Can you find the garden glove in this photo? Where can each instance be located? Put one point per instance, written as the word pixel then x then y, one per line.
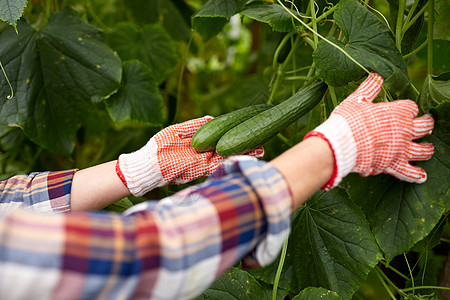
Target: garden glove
pixel 168 158
pixel 372 138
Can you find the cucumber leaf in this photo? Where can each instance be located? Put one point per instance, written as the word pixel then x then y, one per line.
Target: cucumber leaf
pixel 138 97
pixel 150 44
pixel 369 41
pixel 401 213
pixel 119 206
pixel 273 14
pixel 57 73
pixel 212 17
pixel 234 284
pixel 314 293
pixel 330 246
pixel 442 23
pixel 12 10
pixel 165 12
pixel 436 90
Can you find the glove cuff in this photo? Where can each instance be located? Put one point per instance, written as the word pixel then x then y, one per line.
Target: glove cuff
pixel 140 169
pixel 337 133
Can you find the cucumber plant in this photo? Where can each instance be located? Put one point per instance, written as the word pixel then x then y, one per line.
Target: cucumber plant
pixel 184 59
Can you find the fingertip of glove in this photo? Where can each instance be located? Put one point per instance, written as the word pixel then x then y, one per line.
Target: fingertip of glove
pixel 257 152
pixel 376 77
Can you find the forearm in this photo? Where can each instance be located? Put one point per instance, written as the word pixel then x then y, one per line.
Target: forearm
pixel 306 167
pixel 96 187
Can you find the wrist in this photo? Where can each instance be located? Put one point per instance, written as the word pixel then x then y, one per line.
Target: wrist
pixel 139 170
pixel 306 167
pixel 338 135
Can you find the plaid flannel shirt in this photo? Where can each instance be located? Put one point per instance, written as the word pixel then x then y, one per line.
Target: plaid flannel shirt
pixel 168 249
pixel 46 192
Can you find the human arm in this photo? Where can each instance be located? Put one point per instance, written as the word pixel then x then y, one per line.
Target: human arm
pixel 167 158
pixel 174 247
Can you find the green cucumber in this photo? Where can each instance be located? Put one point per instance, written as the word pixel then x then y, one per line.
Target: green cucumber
pixel 205 139
pixel 265 125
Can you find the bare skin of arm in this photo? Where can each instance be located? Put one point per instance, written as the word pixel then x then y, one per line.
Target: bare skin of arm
pixel 306 168
pixel 96 187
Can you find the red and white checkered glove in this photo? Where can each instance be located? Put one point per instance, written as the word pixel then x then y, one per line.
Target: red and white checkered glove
pixel 372 138
pixel 168 158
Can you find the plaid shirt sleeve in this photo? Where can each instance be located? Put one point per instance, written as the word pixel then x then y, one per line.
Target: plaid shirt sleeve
pixel 45 192
pixel 170 249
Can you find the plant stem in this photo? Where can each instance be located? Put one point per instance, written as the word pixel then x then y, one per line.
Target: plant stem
pixel 409 23
pixel 324 15
pixel 426 287
pixel 298 77
pixel 9 83
pixel 416 50
pixel 312 7
pixel 274 87
pixel 395 270
pixel 445 240
pixel 280 69
pixel 95 17
pixel 279 269
pixel 399 25
pixel 180 78
pixel 411 11
pixel 333 96
pixel 48 8
pixel 284 139
pixel 410 272
pixel 294 65
pixel 430 37
pixel 280 47
pixel 383 282
pixel 297 70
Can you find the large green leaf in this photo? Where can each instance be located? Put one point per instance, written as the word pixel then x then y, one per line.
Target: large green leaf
pixel 436 90
pixel 211 17
pixel 442 24
pixel 119 206
pixel 11 10
pixel 150 44
pixel 369 41
pixel 313 293
pixel 56 72
pixel 400 213
pixel 234 284
pixel 138 97
pixel 273 14
pixel 165 12
pixel 330 246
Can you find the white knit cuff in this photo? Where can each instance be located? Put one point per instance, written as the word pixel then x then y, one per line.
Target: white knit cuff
pixel 339 135
pixel 141 169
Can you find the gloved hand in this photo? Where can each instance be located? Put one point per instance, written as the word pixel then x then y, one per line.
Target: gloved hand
pixel 373 138
pixel 168 158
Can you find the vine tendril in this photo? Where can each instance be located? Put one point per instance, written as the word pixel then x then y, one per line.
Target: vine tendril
pixel 9 97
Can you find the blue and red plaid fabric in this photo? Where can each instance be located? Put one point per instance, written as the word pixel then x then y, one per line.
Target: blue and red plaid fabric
pixel 168 249
pixel 46 192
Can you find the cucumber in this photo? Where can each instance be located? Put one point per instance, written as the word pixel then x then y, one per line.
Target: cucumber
pixel 205 139
pixel 265 125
